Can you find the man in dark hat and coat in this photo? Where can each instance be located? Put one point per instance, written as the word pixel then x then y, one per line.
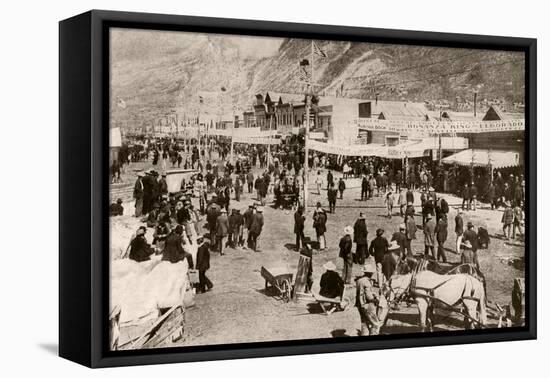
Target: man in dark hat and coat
pixel 360 234
pixel 140 250
pixel 173 247
pixel 203 264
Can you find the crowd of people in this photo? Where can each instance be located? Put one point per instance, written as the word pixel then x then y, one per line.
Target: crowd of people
pixel 174 220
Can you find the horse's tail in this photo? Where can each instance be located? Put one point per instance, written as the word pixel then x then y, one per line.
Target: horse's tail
pixel 482 307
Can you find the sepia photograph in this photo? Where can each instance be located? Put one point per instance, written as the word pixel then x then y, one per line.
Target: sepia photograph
pixel 275 189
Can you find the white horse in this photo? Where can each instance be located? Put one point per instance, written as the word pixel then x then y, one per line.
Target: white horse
pixel 430 289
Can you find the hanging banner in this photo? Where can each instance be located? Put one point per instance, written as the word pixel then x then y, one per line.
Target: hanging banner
pixel 353 150
pixel 254 140
pixel 438 127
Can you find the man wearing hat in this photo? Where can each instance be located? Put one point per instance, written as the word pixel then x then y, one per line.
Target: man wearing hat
pixel 441 237
pixel 459 229
pixel 429 235
pixel 222 230
pixel 116 209
pixel 213 210
pixel 140 250
pixel 163 185
pixel 507 219
pixel 378 248
pixel 320 225
pixel 346 255
pixel 372 306
pixel 360 234
pixel 247 217
pixel 400 238
pixel 138 195
pixel 332 194
pixel 364 188
pixel 147 182
pixel 471 236
pixel 236 222
pixel 469 256
pixel 331 285
pixel 152 217
pixel 256 228
pixel 203 264
pixel 391 258
pixel 299 224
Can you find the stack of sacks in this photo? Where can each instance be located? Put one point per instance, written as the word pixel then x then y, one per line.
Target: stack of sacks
pixel 140 289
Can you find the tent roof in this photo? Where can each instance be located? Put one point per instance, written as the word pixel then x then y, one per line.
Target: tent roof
pixel 483 158
pixel 115 139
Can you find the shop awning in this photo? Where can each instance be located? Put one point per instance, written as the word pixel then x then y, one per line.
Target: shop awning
pixel 420 148
pixel 484 158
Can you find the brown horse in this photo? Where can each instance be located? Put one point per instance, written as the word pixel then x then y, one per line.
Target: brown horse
pixel 430 289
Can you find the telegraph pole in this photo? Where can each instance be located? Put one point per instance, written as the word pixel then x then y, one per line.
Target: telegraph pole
pixel 306 149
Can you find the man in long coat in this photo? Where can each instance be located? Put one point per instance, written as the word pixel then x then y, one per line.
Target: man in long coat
pixel 256 228
pixel 372 306
pixel 410 233
pixel 299 224
pixel 173 247
pixel 320 225
pixel 429 236
pixel 346 255
pixel 138 194
pixel 222 230
pixel 360 233
pixel 400 238
pixel 203 264
pixel 441 236
pixel 140 250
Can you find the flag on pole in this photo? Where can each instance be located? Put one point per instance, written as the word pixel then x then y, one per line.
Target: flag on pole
pixel 120 103
pixel 303 72
pixel 317 50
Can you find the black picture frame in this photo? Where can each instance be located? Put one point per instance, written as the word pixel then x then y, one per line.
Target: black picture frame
pixel 83 197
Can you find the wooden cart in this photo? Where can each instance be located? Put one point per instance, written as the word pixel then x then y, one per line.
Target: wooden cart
pixel 280 279
pixel 167 329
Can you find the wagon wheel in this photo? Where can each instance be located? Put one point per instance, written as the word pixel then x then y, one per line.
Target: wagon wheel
pixel 286 290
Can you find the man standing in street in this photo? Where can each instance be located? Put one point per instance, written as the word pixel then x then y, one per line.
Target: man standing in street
pixel 459 229
pixel 441 236
pixel 341 187
pixel 250 181
pixel 372 306
pixel 299 224
pixel 138 194
pixel 470 236
pixel 429 236
pixel 400 238
pixel 320 226
pixel 330 179
pixel 222 230
pixel 360 233
pixel 332 194
pixel 203 264
pixel 248 223
pixel 256 228
pixel 364 188
pixel 346 255
pixel 507 219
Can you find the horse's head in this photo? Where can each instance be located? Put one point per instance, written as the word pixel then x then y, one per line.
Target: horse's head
pixel 398 284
